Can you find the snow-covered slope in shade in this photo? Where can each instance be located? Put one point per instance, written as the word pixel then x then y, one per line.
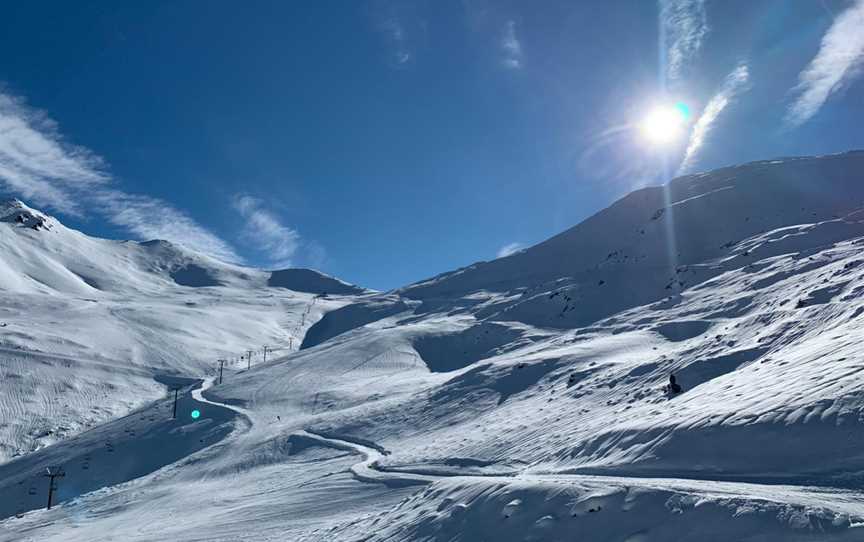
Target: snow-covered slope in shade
pixel 312 282
pixel 520 399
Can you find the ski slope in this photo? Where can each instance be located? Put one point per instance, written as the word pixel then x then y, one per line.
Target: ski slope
pixel 86 324
pixel 517 399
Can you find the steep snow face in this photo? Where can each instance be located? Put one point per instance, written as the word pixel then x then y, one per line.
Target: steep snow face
pixel 659 241
pixel 649 246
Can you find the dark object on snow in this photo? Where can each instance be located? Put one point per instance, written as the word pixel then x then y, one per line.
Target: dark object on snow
pixel 673 387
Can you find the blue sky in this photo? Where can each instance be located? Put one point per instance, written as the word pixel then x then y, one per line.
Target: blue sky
pixel 387 141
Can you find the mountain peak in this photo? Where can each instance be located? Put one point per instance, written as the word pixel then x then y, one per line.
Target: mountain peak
pixel 11 203
pixel 15 211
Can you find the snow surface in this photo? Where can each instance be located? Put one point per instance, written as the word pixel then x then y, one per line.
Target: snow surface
pixel 517 399
pixel 86 324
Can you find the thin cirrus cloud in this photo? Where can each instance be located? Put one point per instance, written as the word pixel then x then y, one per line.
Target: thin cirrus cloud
pixel 151 218
pixel 39 165
pixel 497 29
pixel 402 27
pixel 511 47
pixel 839 61
pixel 36 164
pixel 736 83
pixel 278 241
pixel 509 249
pixel 395 31
pixel 684 26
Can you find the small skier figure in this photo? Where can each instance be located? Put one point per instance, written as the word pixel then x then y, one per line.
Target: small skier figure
pixel 673 388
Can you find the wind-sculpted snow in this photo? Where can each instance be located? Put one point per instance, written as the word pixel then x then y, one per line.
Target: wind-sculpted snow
pixel 604 510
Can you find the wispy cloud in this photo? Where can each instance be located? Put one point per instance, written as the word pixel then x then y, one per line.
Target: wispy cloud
pixel 511 48
pixel 395 31
pixel 509 248
pixel 262 227
pixel 39 165
pixel 838 62
pixel 736 82
pixel 152 218
pixel 314 254
pixel 684 26
pixel 402 27
pixel 35 161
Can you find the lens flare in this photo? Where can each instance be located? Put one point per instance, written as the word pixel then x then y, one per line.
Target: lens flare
pixel 664 124
pixel 196 414
pixel 683 110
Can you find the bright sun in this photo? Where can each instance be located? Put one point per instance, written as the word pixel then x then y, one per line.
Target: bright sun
pixel 664 124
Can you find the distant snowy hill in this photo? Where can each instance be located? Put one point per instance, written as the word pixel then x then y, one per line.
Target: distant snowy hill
pixel 512 400
pixel 86 323
pixel 41 255
pixel 312 282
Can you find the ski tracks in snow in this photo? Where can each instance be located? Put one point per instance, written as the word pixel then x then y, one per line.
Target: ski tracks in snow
pixel 845 501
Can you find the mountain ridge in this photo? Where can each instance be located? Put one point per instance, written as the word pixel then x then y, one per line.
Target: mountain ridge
pixel 162 259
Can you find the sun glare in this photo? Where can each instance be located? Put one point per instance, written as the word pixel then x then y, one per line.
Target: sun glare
pixel 664 124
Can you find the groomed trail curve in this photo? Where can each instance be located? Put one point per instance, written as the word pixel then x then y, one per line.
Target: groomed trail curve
pixel 574 498
pixel 207 383
pixel 125 449
pixel 841 500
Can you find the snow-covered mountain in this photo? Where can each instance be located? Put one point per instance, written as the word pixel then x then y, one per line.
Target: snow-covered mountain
pixel 658 241
pixel 86 323
pixel 517 399
pixel 41 255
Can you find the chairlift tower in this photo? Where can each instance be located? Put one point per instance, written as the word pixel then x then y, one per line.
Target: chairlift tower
pixel 221 364
pixel 176 390
pixel 53 473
